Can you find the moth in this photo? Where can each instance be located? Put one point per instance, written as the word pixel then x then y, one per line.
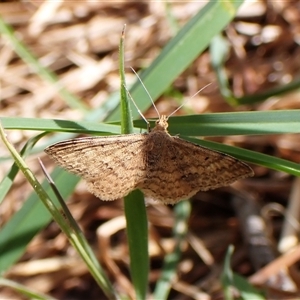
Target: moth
pixel 164 167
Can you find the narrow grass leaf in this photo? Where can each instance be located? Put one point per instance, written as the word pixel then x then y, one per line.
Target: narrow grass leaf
pixel 183 49
pixel 52 207
pixel 134 205
pixel 219 49
pixel 8 179
pixel 43 72
pixel 227 275
pixel 169 270
pixel 247 291
pixel 23 290
pixel 261 159
pixel 217 124
pixel 137 237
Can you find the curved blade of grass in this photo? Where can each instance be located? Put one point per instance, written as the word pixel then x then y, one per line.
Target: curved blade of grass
pixel 227 276
pixel 230 279
pixel 252 156
pixel 7 180
pixel 219 49
pixel 216 124
pixel 247 291
pixel 181 51
pixel 75 234
pixel 73 237
pixel 134 205
pixel 52 125
pixel 43 72
pixel 276 91
pixel 182 212
pixel 25 291
pixel 29 220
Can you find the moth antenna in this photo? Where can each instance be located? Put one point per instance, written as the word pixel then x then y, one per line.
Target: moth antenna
pixel 140 80
pixel 138 110
pixel 184 102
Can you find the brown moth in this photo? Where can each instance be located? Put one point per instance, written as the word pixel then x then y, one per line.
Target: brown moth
pixel 163 167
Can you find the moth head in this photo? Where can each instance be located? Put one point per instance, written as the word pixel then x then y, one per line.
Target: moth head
pixel 161 124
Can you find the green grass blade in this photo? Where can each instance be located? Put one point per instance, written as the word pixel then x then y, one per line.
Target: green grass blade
pixel 137 236
pixel 190 41
pixel 227 276
pixel 217 124
pixel 43 72
pixel 7 180
pixel 79 242
pixel 59 125
pixel 222 124
pixel 234 123
pixel 182 212
pixel 219 49
pixel 229 280
pixel 126 120
pixel 16 233
pixel 23 290
pixel 252 156
pixel 134 205
pixel 276 91
pixel 247 291
pixel 72 234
